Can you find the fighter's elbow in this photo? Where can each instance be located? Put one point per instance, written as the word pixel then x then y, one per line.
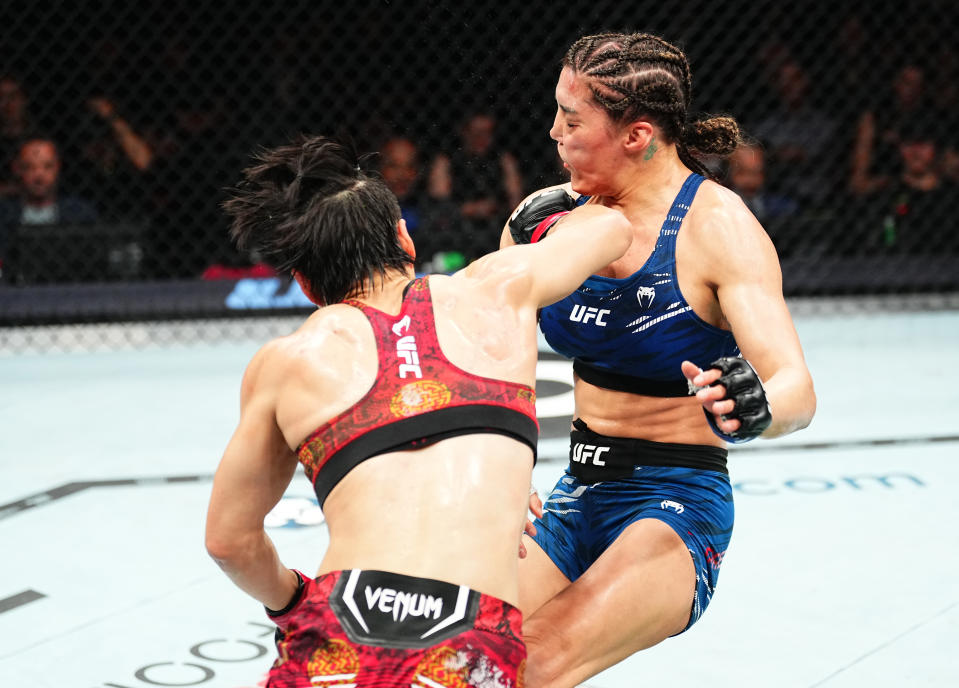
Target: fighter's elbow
pixel 802 413
pixel 221 549
pixel 810 408
pixel 228 546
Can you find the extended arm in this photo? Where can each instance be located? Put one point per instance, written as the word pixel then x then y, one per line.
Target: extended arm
pixel 569 246
pixel 254 472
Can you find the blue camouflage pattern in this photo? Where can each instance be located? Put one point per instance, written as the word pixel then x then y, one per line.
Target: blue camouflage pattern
pixel 580 521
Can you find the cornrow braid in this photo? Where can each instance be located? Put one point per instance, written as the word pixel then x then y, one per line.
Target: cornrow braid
pixel 641 75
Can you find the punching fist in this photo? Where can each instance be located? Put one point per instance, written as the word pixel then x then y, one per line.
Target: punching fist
pixel 533 218
pixel 736 394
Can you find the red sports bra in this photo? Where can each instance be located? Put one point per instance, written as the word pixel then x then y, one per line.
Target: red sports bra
pixel 417 399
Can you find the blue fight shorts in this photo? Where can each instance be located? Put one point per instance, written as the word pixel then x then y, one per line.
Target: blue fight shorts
pixel 582 517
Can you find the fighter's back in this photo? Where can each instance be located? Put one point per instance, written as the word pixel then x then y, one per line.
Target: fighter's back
pixel 458 494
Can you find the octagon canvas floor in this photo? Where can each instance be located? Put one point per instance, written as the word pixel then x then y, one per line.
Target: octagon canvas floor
pixel 841 571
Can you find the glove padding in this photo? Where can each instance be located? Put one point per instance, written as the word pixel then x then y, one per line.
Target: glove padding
pixel 744 387
pixel 530 222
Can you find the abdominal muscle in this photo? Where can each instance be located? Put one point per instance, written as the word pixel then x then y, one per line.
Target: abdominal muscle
pixel 452 511
pixel 657 419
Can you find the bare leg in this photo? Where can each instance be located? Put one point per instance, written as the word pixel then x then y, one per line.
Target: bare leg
pixel 638 593
pixel 539 578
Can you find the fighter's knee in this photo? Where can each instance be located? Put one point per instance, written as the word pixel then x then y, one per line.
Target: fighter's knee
pixel 548 655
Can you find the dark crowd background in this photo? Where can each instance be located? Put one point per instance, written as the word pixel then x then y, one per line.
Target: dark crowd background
pixel 122 124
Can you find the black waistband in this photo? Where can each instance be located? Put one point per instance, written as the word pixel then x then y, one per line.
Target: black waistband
pixel 619 382
pixel 394 610
pixel 421 431
pixel 594 458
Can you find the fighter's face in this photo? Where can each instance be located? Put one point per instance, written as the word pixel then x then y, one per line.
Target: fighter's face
pixel 586 138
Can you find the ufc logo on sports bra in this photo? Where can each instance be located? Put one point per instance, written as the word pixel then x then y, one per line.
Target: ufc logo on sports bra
pixel 584 314
pixel 582 453
pixel 406 349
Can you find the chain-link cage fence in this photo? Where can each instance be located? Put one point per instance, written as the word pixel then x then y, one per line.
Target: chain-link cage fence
pixel 122 123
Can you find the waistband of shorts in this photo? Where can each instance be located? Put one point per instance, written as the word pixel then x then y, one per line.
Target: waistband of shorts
pixel 492 614
pixel 594 457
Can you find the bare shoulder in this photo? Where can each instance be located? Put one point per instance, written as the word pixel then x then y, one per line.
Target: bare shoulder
pixel 328 330
pixel 327 333
pixel 719 214
pixel 485 273
pixel 498 277
pixel 721 229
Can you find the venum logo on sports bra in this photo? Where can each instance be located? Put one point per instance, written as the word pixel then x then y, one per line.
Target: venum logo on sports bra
pixel 390 609
pixel 406 349
pixel 645 296
pixel 584 314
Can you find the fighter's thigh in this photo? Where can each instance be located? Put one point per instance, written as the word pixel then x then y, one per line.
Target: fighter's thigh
pixel 539 578
pixel 638 593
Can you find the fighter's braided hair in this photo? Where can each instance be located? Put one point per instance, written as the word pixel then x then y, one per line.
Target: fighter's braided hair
pixel 641 75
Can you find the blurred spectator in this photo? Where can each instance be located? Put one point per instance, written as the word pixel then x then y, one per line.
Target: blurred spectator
pixel 798 136
pixel 400 167
pixel 848 65
pixel 15 128
pixel 194 158
pixel 744 172
pixel 113 158
pixel 431 223
pixel 950 160
pixel 914 213
pixel 746 175
pixel 876 158
pixel 38 200
pixel 483 181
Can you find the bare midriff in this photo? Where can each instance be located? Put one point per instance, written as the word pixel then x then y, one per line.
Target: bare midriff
pixel 657 419
pixel 453 511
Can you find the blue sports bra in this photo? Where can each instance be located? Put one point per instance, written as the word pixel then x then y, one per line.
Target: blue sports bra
pixel 632 334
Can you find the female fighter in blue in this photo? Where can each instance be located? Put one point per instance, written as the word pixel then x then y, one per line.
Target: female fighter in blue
pixel 681 345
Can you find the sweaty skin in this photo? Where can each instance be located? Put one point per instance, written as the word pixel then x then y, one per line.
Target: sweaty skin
pixel 445 503
pixel 639 591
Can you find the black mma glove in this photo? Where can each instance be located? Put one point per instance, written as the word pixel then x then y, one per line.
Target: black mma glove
pixel 530 222
pixel 745 388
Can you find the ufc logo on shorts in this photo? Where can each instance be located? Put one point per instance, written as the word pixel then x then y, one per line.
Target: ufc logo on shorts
pixel 406 350
pixel 582 453
pixel 584 314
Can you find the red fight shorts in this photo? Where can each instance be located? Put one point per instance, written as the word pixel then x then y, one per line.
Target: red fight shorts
pixel 360 628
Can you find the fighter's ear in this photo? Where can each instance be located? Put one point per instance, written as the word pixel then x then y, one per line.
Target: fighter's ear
pixel 406 241
pixel 638 135
pixel 306 288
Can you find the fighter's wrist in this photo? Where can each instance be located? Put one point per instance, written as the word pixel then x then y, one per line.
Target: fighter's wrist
pixel 297 595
